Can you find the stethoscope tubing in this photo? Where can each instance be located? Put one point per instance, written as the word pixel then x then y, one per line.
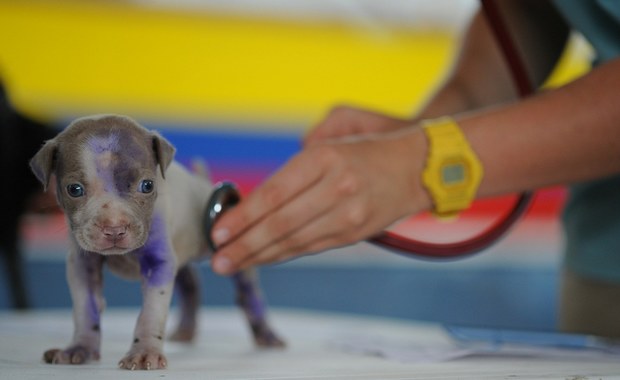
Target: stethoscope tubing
pixel 407 246
pixel 226 195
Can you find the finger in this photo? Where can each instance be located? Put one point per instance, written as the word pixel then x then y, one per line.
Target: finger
pixel 332 230
pixel 302 172
pixel 321 245
pixel 347 220
pixel 297 175
pixel 313 203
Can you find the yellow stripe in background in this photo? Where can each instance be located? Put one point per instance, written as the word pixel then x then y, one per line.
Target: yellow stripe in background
pixel 67 58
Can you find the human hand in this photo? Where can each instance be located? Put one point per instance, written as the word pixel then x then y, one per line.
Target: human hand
pixel 328 195
pixel 345 121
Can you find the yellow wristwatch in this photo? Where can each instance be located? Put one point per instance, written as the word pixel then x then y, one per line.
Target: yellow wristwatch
pixel 453 171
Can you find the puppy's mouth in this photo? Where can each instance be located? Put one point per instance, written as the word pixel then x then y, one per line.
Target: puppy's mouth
pixel 115 249
pixel 103 244
pixel 107 248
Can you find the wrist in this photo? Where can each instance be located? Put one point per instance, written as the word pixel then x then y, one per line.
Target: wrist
pixel 413 151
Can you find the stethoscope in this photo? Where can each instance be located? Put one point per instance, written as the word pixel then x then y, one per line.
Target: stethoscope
pixel 226 194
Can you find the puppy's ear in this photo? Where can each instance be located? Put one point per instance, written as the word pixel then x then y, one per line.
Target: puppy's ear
pixel 44 162
pixel 164 152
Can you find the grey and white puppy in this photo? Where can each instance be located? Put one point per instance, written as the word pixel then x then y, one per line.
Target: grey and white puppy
pixel 129 205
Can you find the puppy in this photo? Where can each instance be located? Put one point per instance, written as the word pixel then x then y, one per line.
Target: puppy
pixel 130 206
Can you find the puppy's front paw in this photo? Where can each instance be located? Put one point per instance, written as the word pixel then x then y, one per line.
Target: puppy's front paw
pixel 72 355
pixel 143 358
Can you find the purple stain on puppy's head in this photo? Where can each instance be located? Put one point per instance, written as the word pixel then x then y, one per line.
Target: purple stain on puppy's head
pixel 103 147
pixel 117 160
pixel 104 144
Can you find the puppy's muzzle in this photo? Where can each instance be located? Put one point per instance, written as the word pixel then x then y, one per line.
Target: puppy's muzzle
pixel 114 234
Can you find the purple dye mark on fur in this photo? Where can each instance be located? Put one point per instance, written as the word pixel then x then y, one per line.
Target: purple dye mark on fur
pixel 93 310
pixel 248 297
pixel 156 262
pixel 118 160
pixel 91 264
pixel 103 144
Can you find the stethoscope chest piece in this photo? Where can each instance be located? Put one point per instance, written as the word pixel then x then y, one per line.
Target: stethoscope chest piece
pixel 225 195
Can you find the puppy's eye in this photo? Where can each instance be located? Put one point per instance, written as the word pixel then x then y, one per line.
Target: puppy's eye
pixel 146 186
pixel 75 190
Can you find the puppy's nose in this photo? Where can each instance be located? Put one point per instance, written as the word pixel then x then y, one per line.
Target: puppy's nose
pixel 114 233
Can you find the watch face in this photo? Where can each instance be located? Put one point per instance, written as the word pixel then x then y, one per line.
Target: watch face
pixel 453 174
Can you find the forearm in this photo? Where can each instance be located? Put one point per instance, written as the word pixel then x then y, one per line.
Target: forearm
pixel 562 136
pixel 478 77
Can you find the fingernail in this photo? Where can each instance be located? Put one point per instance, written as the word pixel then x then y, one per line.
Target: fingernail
pixel 221 265
pixel 220 236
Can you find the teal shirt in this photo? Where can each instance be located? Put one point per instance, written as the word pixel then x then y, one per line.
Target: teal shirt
pixel 592 214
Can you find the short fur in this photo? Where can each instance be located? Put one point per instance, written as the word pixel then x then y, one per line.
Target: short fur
pixel 129 205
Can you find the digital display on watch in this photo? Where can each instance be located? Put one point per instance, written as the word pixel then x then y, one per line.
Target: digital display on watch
pixel 452 174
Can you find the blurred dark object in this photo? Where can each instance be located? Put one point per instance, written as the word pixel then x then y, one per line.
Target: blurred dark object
pixel 20 138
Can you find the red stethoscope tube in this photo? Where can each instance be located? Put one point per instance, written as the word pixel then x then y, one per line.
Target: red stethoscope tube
pixel 412 247
pixel 226 195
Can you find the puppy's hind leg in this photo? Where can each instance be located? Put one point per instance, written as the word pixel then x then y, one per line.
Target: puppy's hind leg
pixel 250 299
pixel 187 285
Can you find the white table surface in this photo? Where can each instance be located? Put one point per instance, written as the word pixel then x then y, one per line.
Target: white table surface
pixel 316 350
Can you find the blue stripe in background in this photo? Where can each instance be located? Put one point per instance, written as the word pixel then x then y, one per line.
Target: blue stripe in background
pixel 232 146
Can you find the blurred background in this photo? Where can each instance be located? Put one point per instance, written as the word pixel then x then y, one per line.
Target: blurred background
pixel 237 83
